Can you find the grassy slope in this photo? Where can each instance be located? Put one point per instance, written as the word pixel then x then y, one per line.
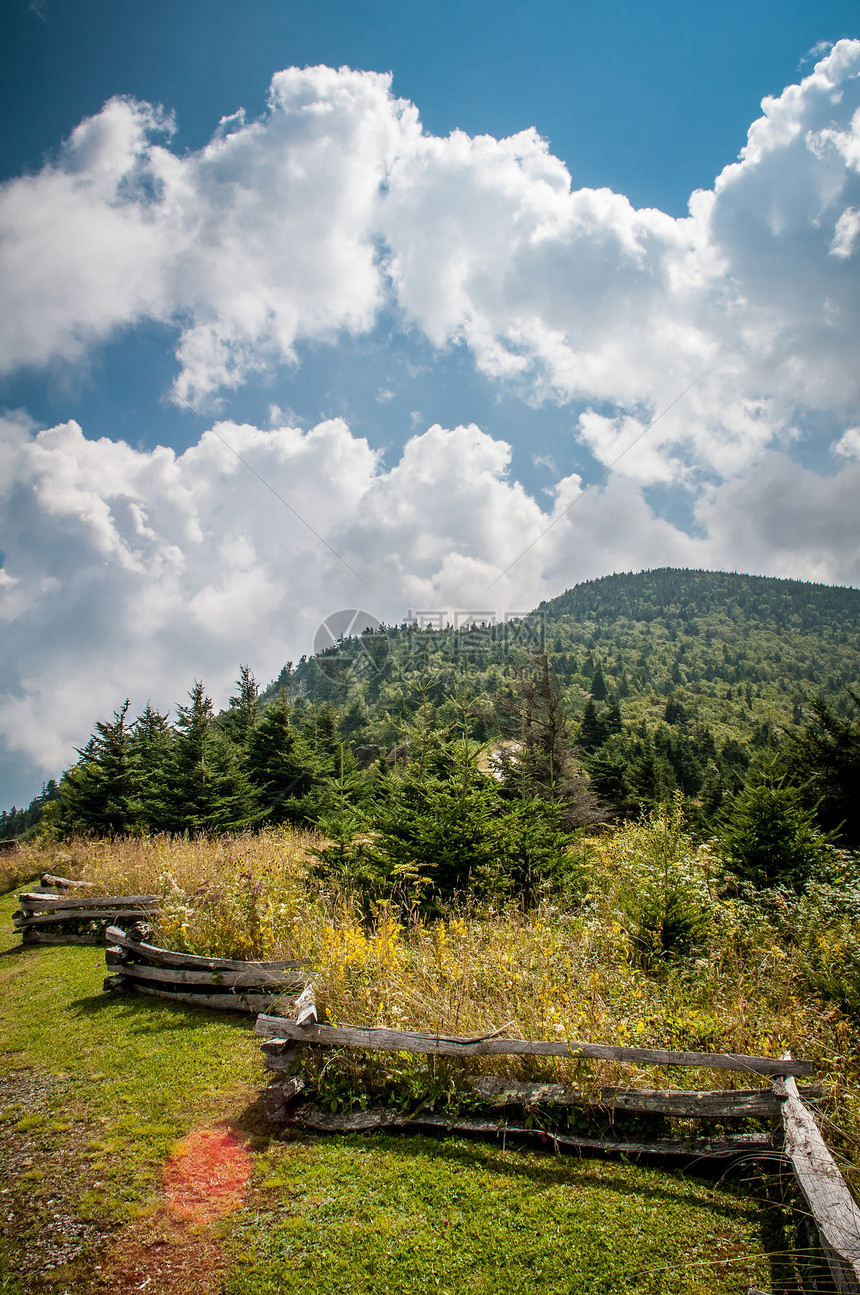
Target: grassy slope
pixel 117 1082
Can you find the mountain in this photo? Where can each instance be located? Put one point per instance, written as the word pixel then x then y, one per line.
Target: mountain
pixel 654 683
pixel 741 654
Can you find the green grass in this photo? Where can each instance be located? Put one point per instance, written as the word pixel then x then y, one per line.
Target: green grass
pixel 117 1081
pixel 129 1076
pixel 400 1214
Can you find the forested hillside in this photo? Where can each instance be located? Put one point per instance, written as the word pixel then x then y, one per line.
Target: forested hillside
pixel 737 651
pixel 605 702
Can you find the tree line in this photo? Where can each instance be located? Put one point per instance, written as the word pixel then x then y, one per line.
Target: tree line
pixel 446 810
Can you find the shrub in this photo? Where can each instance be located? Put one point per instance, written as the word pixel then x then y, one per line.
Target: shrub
pixel 663 894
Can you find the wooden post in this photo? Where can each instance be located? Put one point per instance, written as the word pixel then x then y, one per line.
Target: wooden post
pixel 284 1057
pixel 825 1191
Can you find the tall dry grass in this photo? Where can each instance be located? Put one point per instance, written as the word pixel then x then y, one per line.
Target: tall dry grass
pixel 545 973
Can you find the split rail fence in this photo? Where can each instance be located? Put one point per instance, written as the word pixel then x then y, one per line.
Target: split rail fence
pixel 49 917
pixel 835 1214
pixel 227 984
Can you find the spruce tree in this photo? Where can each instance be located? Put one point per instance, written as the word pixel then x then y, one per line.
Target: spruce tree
pixel 592 733
pixel 96 793
pixel 206 787
pixel 150 752
pixel 281 766
pixel 767 838
pixel 599 690
pixel 543 765
pixel 439 827
pixel 243 710
pixel 823 761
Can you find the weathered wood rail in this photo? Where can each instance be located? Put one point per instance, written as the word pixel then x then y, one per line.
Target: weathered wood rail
pixel 385 1040
pixel 227 984
pixel 46 917
pixel 823 1188
pixel 681 1103
pixel 65 883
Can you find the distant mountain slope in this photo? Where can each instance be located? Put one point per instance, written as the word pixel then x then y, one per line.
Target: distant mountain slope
pixel 742 649
pixel 737 651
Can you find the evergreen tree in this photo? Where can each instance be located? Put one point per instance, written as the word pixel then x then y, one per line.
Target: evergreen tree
pixel 243 710
pixel 823 760
pixel 676 711
pixel 150 753
pixel 649 776
pixel 599 690
pixel 542 766
pixel 767 837
pixel 281 765
pixel 607 769
pixel 354 720
pixel 96 793
pixel 592 733
pixel 442 827
pixel 207 789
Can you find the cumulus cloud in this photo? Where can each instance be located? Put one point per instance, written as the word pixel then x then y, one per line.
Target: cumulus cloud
pixel 130 571
pixel 784 520
pixel 336 204
pixel 133 572
pixel 265 235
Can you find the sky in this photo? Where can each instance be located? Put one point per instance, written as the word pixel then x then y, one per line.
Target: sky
pixel 410 308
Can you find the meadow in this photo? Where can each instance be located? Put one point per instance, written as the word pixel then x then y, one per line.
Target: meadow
pixel 753 977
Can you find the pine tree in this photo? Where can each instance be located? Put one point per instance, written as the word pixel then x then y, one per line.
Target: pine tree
pixel 823 760
pixel 244 709
pixel 599 690
pixel 441 830
pixel 767 837
pixel 354 720
pixel 206 788
pixel 150 752
pixel 543 766
pixel 96 793
pixel 281 766
pixel 592 733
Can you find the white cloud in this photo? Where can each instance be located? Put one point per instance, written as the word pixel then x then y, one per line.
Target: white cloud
pixel 847 229
pixel 134 571
pixel 265 235
pixel 783 520
pixel 848 445
pixel 334 204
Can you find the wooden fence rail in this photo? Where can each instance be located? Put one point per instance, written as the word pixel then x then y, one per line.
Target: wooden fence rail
pixel 384 1040
pixel 822 1186
pixel 48 918
pixel 65 883
pixel 228 984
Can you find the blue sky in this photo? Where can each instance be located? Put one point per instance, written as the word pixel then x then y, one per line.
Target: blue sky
pixel 427 343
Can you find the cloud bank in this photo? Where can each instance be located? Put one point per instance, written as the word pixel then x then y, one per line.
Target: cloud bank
pixel 335 204
pixel 133 571
pixel 137 571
